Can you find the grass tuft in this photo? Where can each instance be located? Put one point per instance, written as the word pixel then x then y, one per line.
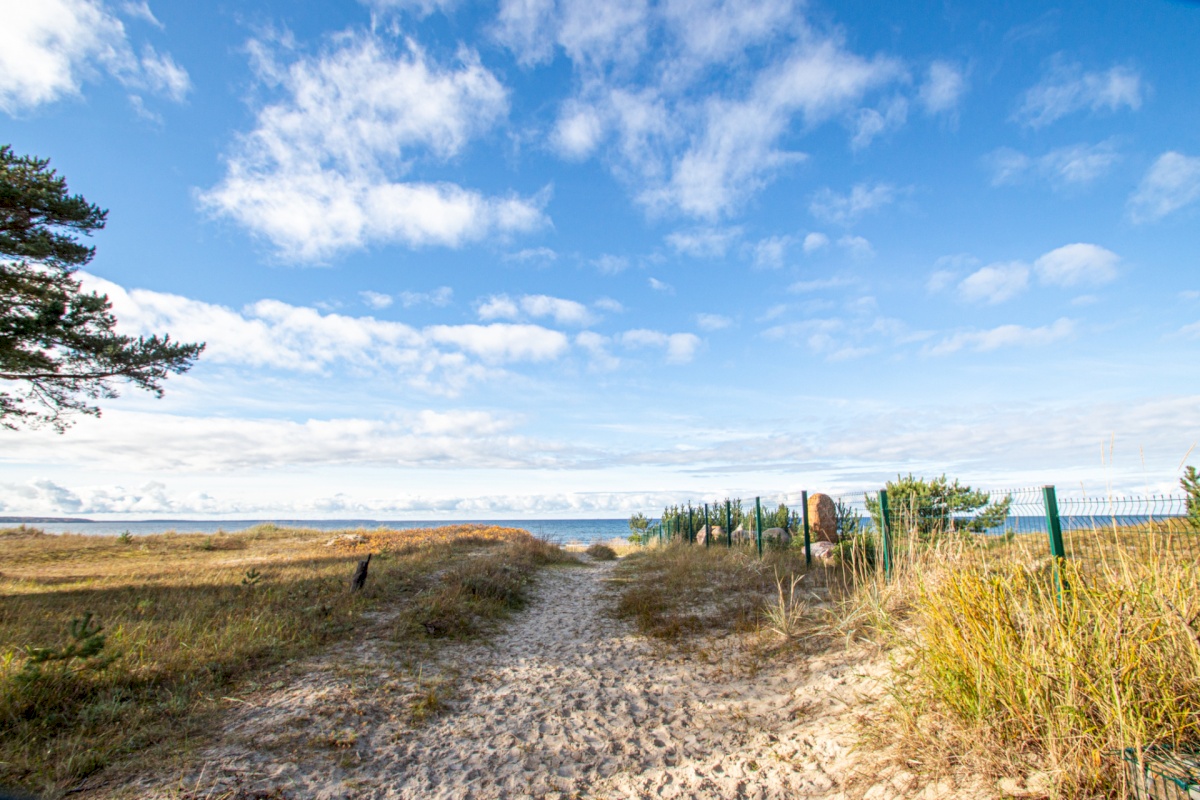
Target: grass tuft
pixel 1001 674
pixel 601 552
pixel 678 590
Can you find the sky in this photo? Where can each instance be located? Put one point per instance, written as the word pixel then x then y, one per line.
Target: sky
pixel 549 259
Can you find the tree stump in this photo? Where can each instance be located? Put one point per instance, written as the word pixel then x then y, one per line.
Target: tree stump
pixel 360 574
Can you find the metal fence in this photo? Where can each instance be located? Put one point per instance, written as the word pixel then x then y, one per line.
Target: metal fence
pixel 1030 524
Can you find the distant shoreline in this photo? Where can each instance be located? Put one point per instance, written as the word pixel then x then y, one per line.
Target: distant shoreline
pixel 288 520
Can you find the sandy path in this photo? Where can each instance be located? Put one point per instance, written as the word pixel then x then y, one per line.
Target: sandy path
pixel 565 703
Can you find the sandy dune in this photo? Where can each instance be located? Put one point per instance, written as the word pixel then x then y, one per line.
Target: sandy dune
pixel 565 703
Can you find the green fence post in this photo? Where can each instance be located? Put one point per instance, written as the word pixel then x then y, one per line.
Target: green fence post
pixel 807 536
pixel 758 523
pixel 707 527
pixel 728 524
pixel 1054 529
pixel 691 526
pixel 885 532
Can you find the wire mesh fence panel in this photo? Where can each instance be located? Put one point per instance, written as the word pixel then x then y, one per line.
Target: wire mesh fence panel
pixel 1102 532
pixel 1159 773
pixel 1011 527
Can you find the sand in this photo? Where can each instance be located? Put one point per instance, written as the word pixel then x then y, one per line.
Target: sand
pixel 565 702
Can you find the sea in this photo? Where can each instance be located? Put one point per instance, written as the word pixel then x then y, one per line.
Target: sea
pixel 559 531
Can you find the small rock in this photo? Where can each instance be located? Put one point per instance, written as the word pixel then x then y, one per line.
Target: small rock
pixel 822 550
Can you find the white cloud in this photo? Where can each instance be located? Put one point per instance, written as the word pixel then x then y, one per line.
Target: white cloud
pixel 1008 166
pixel 846 209
pixel 682 142
pixel 610 305
pixel 499 306
pixel 564 312
pixel 317 175
pixel 814 242
pixel 1075 264
pixel 856 246
pixel 1067 266
pixel 161 75
pixel 680 347
pixel 597 347
pixel 270 334
pixel 376 300
pixel 1067 89
pixel 535 256
pixel 661 286
pixel 1171 183
pixel 447 439
pixel 596 34
pixel 577 132
pixel 1004 336
pixel 50 47
pixel 834 339
pixel 713 322
pixel 422 8
pixel 770 252
pixel 610 264
pixel 944 86
pixel 736 153
pixel 870 123
pixel 1066 166
pixel 439 297
pixel 527 28
pixel 939 279
pixel 995 283
pixel 140 10
pixel 703 242
pixel 708 31
pixel 501 342
pixel 817 284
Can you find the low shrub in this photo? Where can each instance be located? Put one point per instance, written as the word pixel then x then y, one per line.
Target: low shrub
pixel 601 552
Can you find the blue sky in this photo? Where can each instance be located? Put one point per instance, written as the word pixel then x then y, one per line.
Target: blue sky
pixel 531 258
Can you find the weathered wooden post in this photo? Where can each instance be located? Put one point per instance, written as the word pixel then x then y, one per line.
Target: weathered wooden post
pixel 360 574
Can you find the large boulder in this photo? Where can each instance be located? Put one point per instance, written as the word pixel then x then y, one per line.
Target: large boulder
pixel 717 534
pixel 777 537
pixel 740 534
pixel 822 518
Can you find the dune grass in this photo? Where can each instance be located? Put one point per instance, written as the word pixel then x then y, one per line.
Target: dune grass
pixel 601 552
pixel 998 672
pixel 677 590
pixel 185 619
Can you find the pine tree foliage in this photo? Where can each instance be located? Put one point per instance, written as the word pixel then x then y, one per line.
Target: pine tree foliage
pixel 1191 484
pixel 59 349
pixel 932 507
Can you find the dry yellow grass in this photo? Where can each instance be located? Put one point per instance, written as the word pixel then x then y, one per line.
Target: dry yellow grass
pixel 188 617
pixel 682 589
pixel 1000 674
